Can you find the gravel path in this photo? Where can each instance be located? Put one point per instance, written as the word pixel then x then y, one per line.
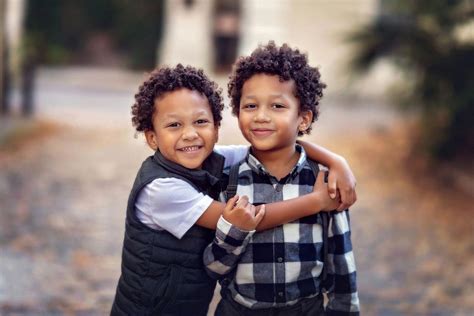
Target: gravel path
pixel 62 200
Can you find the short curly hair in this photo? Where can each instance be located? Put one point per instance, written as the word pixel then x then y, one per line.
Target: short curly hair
pixel 288 64
pixel 167 79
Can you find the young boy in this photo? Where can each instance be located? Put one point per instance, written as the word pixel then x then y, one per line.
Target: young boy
pixel 281 271
pixel 172 208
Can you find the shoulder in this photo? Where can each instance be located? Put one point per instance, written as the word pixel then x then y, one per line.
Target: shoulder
pixel 150 170
pixel 168 192
pixel 169 186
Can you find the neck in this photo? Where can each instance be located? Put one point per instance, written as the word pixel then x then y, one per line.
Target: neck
pixel 278 162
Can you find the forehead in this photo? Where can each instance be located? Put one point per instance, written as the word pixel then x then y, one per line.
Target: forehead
pixel 182 101
pixel 268 84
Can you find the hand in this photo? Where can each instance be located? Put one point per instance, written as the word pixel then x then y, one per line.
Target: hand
pixel 239 212
pixel 321 190
pixel 342 180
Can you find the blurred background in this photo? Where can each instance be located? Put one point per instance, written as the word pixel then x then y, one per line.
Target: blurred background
pixel 399 107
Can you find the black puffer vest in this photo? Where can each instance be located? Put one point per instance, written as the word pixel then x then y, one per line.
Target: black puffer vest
pixel 163 275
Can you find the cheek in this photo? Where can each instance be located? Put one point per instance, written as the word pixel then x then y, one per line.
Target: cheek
pixel 212 135
pixel 289 126
pixel 243 120
pixel 165 141
pixel 215 137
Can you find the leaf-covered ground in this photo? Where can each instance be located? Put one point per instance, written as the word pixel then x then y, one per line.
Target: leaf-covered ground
pixel 63 195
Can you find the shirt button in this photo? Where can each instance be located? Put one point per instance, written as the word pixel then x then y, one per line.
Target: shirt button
pixel 280 259
pixel 280 294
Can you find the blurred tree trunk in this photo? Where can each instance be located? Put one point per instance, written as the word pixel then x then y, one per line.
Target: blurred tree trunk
pixel 4 63
pixel 28 72
pixel 32 48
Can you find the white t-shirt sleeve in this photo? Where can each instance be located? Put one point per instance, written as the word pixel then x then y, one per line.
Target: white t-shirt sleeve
pixel 232 153
pixel 171 204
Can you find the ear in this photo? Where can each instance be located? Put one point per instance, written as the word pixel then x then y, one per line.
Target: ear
pixel 151 139
pixel 306 118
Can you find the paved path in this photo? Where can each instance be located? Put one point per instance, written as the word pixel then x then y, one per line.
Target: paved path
pixel 62 200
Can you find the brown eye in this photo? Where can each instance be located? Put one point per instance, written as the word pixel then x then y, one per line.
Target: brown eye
pixel 202 121
pixel 249 106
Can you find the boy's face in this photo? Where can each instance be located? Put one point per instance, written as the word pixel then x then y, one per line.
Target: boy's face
pixel 269 115
pixel 183 128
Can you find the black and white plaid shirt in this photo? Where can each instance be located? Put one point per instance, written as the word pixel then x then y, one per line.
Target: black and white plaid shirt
pixel 280 266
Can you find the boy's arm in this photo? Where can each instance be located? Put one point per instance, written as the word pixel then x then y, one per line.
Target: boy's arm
pixel 232 153
pixel 340 174
pixel 341 270
pixel 279 213
pixel 222 255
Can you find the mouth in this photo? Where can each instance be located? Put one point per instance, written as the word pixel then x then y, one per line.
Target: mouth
pixel 261 132
pixel 190 149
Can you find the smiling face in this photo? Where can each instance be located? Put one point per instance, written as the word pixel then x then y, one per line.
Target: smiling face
pixel 183 128
pixel 269 115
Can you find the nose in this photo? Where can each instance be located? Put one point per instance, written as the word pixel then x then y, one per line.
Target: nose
pixel 261 115
pixel 190 133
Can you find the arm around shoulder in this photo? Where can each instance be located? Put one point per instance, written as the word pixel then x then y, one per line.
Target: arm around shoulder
pixel 341 178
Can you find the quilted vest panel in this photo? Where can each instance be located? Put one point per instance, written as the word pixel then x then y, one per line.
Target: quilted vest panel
pixel 163 275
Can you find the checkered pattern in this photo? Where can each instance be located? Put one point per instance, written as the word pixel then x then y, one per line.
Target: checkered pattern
pixel 279 266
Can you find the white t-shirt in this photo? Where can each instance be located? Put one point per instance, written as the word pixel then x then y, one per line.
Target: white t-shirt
pixel 173 204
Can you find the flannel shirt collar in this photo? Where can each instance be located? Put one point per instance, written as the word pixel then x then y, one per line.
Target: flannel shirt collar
pixel 257 167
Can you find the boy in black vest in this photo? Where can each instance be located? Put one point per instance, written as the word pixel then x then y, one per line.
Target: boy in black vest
pixel 172 209
pixel 281 271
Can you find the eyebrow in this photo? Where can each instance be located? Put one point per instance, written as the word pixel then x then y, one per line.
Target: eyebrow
pixel 195 114
pixel 249 97
pixel 275 96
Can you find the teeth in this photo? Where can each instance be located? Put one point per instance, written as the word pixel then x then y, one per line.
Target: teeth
pixel 190 148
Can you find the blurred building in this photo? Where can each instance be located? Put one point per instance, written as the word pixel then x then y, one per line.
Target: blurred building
pixel 187 30
pixel 318 27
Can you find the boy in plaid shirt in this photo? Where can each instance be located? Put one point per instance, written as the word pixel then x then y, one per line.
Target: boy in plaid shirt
pixel 284 270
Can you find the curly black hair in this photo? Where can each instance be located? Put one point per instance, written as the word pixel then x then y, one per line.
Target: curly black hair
pixel 288 64
pixel 167 79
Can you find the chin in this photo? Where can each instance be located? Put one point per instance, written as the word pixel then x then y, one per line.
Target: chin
pixel 262 147
pixel 191 166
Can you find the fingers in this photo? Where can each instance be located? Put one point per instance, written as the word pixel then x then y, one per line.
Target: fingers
pixel 345 200
pixel 243 201
pixel 349 197
pixel 342 207
pixel 332 185
pixel 231 203
pixel 251 209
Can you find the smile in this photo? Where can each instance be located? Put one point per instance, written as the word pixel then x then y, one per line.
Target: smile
pixel 190 149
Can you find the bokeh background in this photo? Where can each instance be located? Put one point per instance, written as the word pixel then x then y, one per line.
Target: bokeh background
pixel 399 107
